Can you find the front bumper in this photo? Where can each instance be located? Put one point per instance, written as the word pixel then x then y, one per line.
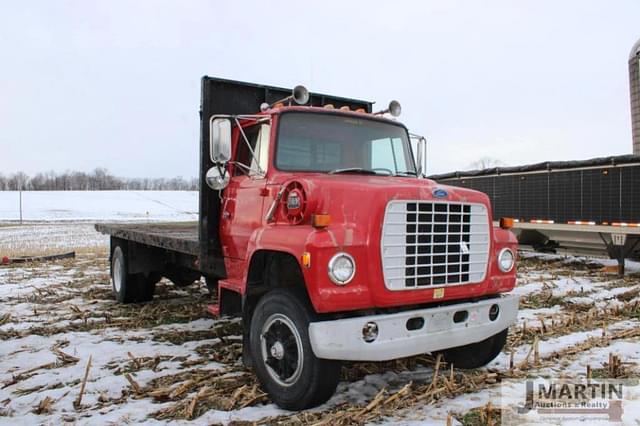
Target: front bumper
pixel 342 339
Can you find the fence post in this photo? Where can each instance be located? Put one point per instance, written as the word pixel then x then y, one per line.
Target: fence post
pixel 20 205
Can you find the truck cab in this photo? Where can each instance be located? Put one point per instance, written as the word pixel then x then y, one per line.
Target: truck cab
pixel 319 229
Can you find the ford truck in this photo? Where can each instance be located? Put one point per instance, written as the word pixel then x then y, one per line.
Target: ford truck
pixel 318 228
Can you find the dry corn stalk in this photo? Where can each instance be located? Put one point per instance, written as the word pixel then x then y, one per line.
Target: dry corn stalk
pixel 78 402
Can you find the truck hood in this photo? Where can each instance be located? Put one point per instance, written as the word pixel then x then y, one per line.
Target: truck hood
pixel 356 205
pixel 359 199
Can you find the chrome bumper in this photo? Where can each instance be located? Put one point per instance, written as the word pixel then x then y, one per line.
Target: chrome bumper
pixel 342 339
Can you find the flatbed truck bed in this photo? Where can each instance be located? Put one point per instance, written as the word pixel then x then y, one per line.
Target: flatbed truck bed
pixel 181 237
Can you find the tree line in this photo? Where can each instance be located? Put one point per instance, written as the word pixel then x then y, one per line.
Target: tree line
pixel 98 180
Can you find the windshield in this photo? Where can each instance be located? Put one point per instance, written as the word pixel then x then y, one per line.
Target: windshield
pixel 336 144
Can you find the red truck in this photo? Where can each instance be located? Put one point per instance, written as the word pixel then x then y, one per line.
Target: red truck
pixel 318 228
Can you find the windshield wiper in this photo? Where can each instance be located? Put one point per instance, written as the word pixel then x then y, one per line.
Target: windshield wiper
pixel 353 170
pixel 407 173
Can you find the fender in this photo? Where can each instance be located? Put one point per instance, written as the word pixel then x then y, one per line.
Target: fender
pixel 504 237
pixel 321 244
pixel 500 281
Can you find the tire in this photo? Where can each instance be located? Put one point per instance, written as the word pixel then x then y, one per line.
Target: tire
pixel 181 277
pixel 282 356
pixel 212 285
pixel 477 354
pixel 128 288
pixel 153 278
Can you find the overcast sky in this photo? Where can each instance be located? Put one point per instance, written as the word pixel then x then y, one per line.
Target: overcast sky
pixel 115 84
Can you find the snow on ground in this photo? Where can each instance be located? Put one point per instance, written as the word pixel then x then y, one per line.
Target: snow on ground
pixel 150 362
pixel 58 221
pixel 99 205
pixel 49 237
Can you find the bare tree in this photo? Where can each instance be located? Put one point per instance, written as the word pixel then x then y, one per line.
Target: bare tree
pixel 486 163
pixel 99 179
pixel 18 182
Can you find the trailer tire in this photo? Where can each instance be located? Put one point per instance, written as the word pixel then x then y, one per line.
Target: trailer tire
pixel 283 360
pixel 128 288
pixel 476 354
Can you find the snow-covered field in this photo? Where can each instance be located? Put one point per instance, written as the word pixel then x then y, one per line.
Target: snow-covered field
pixel 99 205
pixel 169 362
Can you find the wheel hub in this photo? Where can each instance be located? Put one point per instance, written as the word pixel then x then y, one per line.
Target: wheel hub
pixel 277 350
pixel 281 347
pixel 117 274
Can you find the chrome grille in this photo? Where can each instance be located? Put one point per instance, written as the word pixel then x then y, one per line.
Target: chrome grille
pixel 426 243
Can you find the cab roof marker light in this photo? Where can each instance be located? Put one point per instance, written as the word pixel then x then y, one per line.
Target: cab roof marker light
pixel 581 222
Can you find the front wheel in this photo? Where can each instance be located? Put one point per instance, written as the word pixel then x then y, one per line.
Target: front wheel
pixel 284 362
pixel 477 354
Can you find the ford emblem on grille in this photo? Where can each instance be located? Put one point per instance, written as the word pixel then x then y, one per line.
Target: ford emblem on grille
pixel 440 193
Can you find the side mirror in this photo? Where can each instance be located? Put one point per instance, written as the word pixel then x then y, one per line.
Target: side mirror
pixel 220 140
pixel 216 180
pixel 422 151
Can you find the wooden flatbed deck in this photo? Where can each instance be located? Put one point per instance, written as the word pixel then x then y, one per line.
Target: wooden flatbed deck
pixel 177 236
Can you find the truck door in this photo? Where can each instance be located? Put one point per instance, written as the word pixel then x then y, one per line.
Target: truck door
pixel 243 200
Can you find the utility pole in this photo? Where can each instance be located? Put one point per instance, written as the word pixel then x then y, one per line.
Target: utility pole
pixel 20 204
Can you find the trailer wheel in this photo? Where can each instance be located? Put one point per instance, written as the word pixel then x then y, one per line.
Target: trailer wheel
pixel 477 354
pixel 128 288
pixel 282 356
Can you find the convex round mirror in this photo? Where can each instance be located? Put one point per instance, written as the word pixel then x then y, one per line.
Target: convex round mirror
pixel 215 180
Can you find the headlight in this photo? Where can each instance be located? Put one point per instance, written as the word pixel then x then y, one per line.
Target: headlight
pixel 342 268
pixel 506 260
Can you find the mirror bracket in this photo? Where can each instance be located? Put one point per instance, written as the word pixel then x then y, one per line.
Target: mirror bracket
pixel 420 154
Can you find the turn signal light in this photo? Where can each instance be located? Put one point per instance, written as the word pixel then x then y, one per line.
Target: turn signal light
pixel 306 259
pixel 506 222
pixel 320 220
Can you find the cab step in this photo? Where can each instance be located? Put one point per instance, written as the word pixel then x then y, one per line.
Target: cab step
pixel 214 309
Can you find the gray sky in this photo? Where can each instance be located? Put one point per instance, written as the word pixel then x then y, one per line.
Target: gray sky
pixel 116 83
